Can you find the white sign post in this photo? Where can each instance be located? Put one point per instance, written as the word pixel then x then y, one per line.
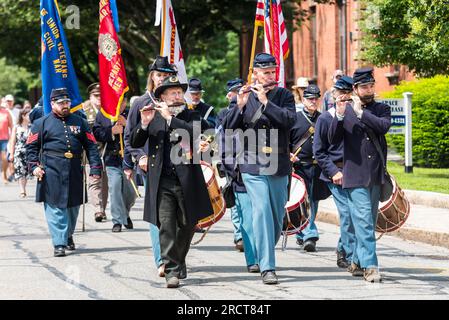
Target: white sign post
pixel 408 132
pixel 401 123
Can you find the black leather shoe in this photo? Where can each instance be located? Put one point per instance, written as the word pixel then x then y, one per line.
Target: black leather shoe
pixel 99 216
pixel 254 268
pixel 129 224
pixel 269 277
pixel 355 270
pixel 310 245
pixel 117 228
pixel 70 244
pixel 239 245
pixel 183 272
pixel 59 251
pixel 341 260
pixel 299 242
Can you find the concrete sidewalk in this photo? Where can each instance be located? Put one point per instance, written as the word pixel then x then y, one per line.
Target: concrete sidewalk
pixel 428 221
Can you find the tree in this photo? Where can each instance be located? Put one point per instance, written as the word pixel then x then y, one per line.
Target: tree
pixel 199 23
pixel 15 80
pixel 408 32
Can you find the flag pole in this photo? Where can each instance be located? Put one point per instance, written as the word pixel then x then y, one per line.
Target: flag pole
pixel 122 152
pixel 253 51
pixel 84 191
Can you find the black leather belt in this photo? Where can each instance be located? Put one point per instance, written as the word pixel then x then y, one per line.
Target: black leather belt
pixel 67 155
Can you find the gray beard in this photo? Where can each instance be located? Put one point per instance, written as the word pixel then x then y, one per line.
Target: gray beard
pixel 177 110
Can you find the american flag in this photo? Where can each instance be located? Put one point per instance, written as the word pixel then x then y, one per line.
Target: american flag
pixel 269 14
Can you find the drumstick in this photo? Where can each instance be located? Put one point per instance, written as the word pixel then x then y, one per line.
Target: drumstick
pixel 292 158
pixel 135 188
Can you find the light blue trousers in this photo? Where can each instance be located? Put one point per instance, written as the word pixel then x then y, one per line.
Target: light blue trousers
pixel 365 202
pixel 235 218
pixel 154 237
pixel 245 211
pixel 268 195
pixel 347 241
pixel 121 194
pixel 61 223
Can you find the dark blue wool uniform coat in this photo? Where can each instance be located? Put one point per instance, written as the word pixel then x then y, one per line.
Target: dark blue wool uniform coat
pixel 327 154
pixel 202 109
pixel 197 201
pixel 307 167
pixel 103 133
pixel 62 184
pixel 362 164
pixel 228 150
pixel 278 114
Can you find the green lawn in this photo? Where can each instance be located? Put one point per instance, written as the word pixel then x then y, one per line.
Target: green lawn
pixel 436 180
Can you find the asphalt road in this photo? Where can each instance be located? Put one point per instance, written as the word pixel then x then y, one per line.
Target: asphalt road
pixel 120 266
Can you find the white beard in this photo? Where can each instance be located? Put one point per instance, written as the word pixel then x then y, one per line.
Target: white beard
pixel 177 110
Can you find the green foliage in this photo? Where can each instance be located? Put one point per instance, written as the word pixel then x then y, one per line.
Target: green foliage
pixel 218 64
pixel 15 80
pixel 199 23
pixel 423 179
pixel 408 32
pixel 430 121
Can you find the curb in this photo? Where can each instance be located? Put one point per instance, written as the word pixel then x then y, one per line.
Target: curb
pixel 428 199
pixel 429 237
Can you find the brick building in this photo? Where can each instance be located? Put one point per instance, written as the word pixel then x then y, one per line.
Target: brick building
pixel 330 41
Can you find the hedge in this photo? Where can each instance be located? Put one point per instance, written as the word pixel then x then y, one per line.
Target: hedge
pixel 430 121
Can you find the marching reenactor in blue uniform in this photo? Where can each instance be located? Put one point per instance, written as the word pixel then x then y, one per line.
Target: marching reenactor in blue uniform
pixel 205 110
pixel 269 112
pixel 176 197
pixel 121 193
pixel 54 150
pixel 241 212
pixel 305 164
pixel 330 160
pixel 361 126
pixel 159 70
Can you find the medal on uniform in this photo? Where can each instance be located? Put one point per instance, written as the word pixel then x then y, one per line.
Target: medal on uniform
pixel 68 155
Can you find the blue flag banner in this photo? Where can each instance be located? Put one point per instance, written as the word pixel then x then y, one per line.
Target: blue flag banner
pixel 56 66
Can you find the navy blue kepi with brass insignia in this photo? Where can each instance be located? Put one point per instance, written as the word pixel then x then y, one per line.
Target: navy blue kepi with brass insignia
pixel 345 83
pixel 264 60
pixel 234 85
pixel 312 91
pixel 59 95
pixel 363 75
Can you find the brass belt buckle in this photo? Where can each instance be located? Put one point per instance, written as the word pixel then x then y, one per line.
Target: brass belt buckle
pixel 68 155
pixel 267 149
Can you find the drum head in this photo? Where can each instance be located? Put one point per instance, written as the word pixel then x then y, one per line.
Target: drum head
pixel 297 192
pixel 393 213
pixel 391 199
pixel 208 172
